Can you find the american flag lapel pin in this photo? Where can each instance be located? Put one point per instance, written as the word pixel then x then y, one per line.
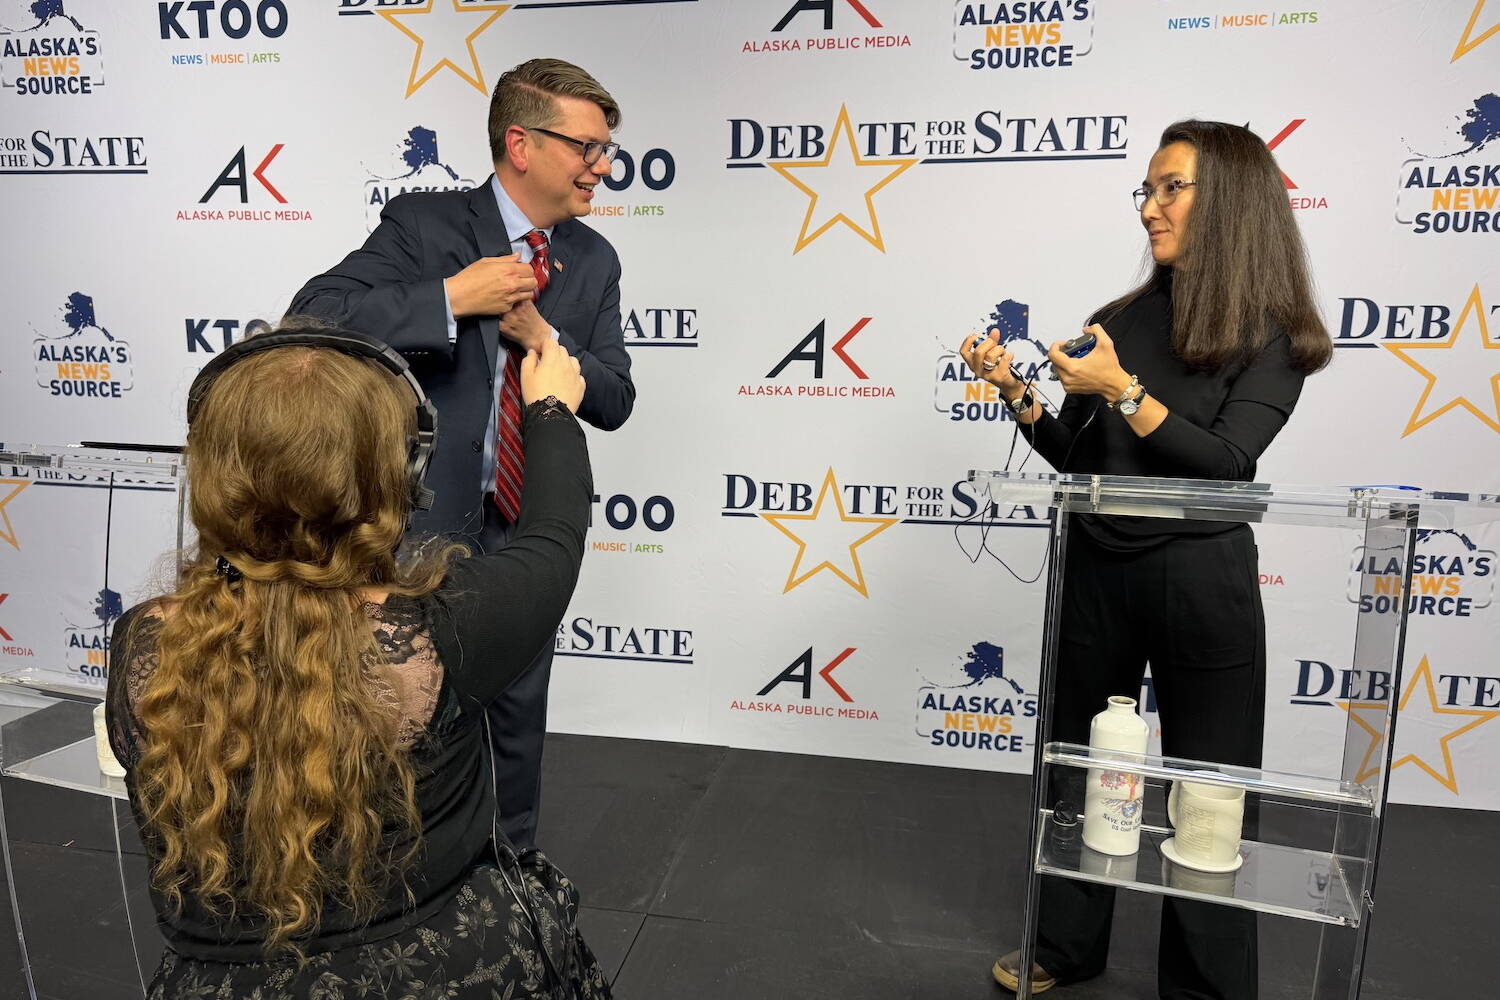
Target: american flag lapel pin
pixel 557 263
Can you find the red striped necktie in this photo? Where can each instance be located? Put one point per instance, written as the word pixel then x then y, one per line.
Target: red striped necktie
pixel 510 454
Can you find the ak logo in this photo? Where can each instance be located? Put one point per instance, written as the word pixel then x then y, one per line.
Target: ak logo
pixel 9 646
pixel 1299 198
pixel 800 372
pixel 833 700
pixel 81 359
pixel 236 183
pixel 1448 347
pixel 1456 190
pixel 981 707
pixel 51 53
pixel 840 25
pixel 1019 36
pixel 424 170
pixel 1438 712
pixel 446 34
pixel 841 167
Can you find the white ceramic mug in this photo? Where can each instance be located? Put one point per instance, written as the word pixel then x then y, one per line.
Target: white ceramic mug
pixel 1206 821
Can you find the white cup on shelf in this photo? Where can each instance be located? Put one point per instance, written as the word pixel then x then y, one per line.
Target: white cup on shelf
pixel 108 763
pixel 1207 821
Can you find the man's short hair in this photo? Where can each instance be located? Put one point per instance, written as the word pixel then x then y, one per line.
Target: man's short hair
pixel 525 96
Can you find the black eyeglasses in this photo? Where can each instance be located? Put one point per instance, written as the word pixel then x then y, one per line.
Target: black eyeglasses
pixel 591 150
pixel 1165 195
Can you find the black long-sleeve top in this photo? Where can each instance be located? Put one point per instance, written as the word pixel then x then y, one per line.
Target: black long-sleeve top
pixel 1218 423
pixel 446 655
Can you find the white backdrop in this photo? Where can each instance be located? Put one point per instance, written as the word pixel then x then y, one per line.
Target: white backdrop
pixel 818 202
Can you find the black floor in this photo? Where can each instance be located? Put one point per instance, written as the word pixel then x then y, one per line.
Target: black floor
pixel 726 874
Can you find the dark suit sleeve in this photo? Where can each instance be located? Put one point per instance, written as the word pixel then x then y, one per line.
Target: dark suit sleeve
pixel 605 364
pixel 379 289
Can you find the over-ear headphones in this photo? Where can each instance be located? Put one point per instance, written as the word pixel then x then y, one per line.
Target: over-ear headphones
pixel 420 448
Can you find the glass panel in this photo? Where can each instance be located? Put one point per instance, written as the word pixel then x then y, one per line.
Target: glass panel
pixel 1233 501
pixel 1290 881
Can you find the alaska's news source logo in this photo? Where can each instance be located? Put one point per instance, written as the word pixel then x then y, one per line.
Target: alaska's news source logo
pixel 984 711
pixel 1457 191
pixel 424 170
pixel 81 359
pixel 48 51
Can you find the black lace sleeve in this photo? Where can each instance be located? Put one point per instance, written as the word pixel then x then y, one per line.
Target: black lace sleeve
pixel 132 659
pixel 505 606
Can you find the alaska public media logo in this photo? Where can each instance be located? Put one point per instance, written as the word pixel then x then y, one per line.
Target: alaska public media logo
pixel 830 26
pixel 85 360
pixel 800 673
pixel 425 171
pixel 842 167
pixel 807 372
pixel 1032 35
pixel 263 202
pixel 1457 191
pixel 985 711
pixel 963 397
pixel 48 52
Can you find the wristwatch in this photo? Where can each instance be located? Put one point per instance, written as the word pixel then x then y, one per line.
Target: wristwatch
pixel 1129 391
pixel 1129 406
pixel 1021 404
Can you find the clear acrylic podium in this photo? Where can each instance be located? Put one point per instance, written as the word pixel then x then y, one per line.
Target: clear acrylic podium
pixel 1316 858
pixel 86 530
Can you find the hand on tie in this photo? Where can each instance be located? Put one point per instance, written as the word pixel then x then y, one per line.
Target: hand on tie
pixel 491 286
pixel 525 326
pixel 551 371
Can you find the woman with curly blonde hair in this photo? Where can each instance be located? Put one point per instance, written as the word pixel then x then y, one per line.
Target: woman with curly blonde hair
pixel 301 719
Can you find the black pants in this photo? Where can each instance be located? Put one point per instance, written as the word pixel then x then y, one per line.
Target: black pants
pixel 1191 609
pixel 518 718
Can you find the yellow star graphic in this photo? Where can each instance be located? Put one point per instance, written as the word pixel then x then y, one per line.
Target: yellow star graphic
pixel 1362 712
pixel 857 581
pixel 436 34
pixel 843 134
pixel 1481 371
pixel 1465 45
pixel 8 533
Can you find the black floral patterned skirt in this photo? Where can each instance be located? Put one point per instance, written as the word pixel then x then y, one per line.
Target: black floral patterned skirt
pixel 478 947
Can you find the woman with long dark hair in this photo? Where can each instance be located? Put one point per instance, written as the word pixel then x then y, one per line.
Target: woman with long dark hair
pixel 301 719
pixel 1193 374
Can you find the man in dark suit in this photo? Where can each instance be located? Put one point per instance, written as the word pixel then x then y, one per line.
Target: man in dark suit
pixel 463 284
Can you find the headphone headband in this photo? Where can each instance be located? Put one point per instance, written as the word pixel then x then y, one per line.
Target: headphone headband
pixel 421 448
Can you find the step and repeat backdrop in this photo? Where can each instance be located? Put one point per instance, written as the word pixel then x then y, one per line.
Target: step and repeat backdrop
pixel 815 202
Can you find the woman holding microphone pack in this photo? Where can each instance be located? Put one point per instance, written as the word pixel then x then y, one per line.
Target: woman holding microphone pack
pixel 1192 375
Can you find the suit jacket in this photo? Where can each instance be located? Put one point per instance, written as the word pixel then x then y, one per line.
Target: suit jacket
pixel 392 288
